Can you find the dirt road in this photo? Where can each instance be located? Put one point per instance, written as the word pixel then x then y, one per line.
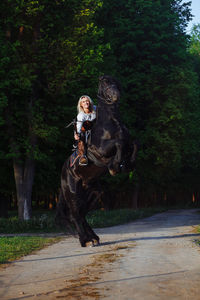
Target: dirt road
pixel 153 258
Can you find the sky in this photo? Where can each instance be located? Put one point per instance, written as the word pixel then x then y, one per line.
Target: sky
pixel 195 6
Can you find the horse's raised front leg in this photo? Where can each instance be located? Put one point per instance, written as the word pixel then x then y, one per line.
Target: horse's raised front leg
pixel 114 166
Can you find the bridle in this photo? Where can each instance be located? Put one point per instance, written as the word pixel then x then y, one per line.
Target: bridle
pixel 109 99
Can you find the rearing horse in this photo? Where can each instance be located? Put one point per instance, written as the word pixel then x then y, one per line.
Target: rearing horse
pixel 109 149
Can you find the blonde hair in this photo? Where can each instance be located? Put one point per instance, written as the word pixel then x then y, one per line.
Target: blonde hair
pixel 79 107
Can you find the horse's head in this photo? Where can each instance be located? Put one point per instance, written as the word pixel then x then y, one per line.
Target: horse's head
pixel 109 89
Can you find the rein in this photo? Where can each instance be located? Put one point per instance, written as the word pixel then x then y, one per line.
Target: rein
pixel 108 101
pixel 70 124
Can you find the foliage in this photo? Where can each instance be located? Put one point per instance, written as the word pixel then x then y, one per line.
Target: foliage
pixel 194 48
pixel 52 52
pixel 44 58
pixel 152 62
pixel 191 146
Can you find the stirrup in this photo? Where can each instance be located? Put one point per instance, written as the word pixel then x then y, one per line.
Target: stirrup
pixel 85 162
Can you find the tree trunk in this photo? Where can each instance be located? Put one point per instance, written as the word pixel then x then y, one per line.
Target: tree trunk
pixel 3 206
pixel 134 204
pixel 24 175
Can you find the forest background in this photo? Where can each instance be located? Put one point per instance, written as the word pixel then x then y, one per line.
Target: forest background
pixel 54 51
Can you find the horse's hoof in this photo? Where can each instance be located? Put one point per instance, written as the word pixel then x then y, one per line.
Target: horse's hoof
pixel 112 172
pixel 89 244
pixel 95 243
pixel 92 243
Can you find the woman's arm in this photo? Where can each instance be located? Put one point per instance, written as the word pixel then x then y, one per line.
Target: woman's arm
pixel 79 123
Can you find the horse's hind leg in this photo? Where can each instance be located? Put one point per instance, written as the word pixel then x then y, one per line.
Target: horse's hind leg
pixel 92 194
pixel 93 238
pixel 75 199
pixel 86 235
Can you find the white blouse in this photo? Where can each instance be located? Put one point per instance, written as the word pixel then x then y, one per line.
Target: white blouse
pixel 82 117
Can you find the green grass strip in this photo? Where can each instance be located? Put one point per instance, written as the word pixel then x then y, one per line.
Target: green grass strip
pixel 44 222
pixel 120 216
pixel 15 247
pixel 198 230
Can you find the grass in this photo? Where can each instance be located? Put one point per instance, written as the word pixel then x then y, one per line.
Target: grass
pixel 43 222
pixel 121 216
pixel 12 248
pixel 198 230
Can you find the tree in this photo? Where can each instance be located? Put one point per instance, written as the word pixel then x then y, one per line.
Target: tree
pixel 148 53
pixel 46 54
pixel 191 145
pixel 194 48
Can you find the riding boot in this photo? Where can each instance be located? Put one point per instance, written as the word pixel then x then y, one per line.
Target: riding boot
pixel 83 160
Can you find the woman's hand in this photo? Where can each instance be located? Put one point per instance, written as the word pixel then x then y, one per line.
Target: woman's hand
pixel 76 136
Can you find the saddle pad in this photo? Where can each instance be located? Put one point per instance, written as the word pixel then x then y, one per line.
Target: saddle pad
pixel 73 158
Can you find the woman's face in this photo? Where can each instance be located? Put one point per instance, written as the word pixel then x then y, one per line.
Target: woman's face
pixel 85 103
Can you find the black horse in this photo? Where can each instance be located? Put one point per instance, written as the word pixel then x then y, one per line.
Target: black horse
pixel 109 149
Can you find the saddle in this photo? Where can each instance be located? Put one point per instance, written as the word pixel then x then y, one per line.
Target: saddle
pixel 87 125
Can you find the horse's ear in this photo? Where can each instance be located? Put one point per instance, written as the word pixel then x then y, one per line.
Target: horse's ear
pixel 105 77
pixel 101 78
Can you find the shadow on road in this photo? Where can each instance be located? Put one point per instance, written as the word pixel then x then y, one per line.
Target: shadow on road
pixel 134 239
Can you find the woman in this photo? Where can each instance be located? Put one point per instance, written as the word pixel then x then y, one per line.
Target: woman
pixel 86 115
